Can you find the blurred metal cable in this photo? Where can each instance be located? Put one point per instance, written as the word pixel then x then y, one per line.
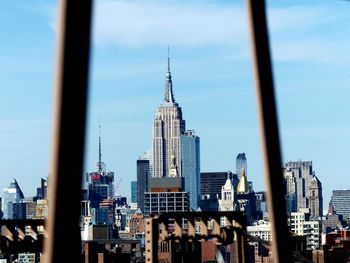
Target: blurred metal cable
pixel 69 132
pixel 269 130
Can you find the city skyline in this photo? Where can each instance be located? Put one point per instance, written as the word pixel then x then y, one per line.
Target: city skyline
pixel 212 77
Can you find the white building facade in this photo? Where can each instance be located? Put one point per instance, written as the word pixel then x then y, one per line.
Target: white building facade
pixel 300 224
pixel 260 229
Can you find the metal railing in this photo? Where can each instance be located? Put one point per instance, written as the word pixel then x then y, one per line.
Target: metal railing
pixel 19 236
pixel 192 227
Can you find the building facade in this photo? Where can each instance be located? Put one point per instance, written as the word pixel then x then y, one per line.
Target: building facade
pixel 315 200
pixel 301 224
pixel 241 162
pixel 161 202
pixel 133 185
pixel 175 162
pixel 41 191
pixel 228 196
pixel 246 200
pixel 261 205
pixel 100 183
pixel 303 188
pixel 167 129
pixel 190 162
pixel 261 229
pixel 148 155
pixel 142 180
pixel 210 188
pixel 340 201
pixel 166 195
pixel 11 197
pixel 211 182
pixel 137 224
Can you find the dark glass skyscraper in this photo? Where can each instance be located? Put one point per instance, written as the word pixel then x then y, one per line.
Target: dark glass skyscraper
pixel 211 182
pixel 41 191
pixel 241 162
pixel 142 181
pixel 133 191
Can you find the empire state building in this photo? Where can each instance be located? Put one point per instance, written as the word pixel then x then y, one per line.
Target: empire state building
pixel 168 127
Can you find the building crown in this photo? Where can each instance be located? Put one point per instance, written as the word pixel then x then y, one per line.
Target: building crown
pixel 228 184
pixel 243 183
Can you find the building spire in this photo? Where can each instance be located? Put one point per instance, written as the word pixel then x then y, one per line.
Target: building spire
pixel 99 144
pixel 99 165
pixel 169 96
pixel 168 60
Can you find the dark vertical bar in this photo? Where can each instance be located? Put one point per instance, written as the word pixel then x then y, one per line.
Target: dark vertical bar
pixel 64 242
pixel 240 247
pixel 244 240
pixel 155 238
pixel 244 251
pixel 269 130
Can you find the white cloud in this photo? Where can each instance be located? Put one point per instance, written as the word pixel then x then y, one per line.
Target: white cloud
pixel 296 17
pixel 294 30
pixel 317 132
pixel 139 23
pixel 309 34
pixel 312 51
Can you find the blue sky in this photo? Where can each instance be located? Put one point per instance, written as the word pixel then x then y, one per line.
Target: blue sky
pixel 212 76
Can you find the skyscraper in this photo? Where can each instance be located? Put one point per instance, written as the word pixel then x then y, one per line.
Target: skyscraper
pixel 175 159
pixel 133 185
pixel 315 198
pixel 211 183
pixel 167 129
pixel 148 155
pixel 241 162
pixel 41 191
pixel 190 162
pixel 100 183
pixel 142 181
pixel 340 201
pixel 11 196
pixel 303 189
